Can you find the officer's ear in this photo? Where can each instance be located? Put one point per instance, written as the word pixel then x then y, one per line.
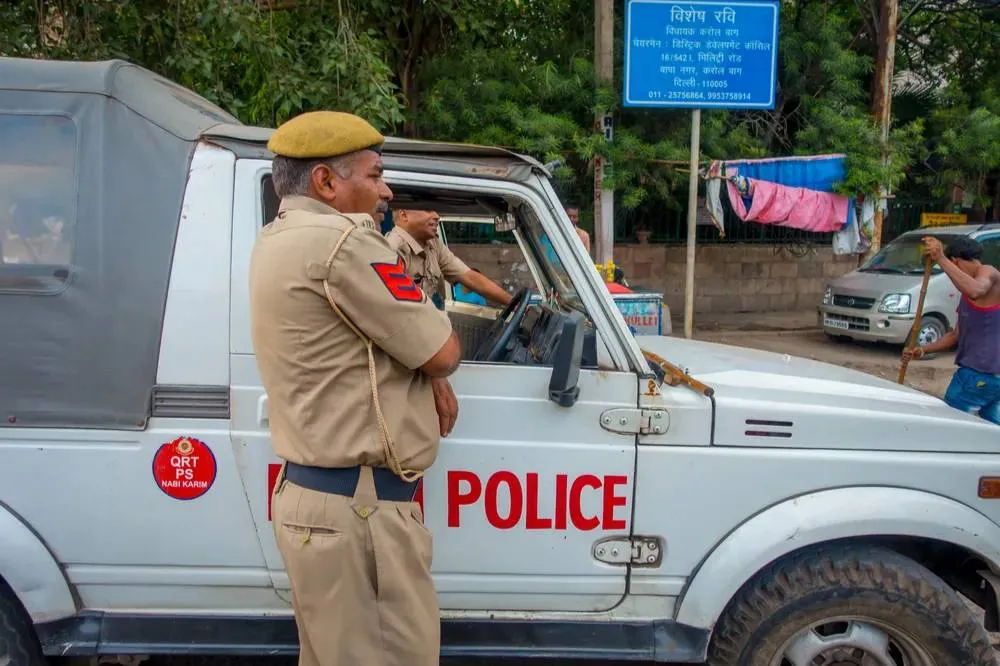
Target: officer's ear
pixel 324 181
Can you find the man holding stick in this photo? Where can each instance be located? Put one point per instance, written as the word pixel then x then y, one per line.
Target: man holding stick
pixel 975 387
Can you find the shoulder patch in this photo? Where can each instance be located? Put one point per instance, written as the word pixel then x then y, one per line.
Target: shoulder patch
pixel 363 220
pixel 398 281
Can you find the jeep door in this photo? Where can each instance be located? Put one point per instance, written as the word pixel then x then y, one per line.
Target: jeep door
pixel 522 490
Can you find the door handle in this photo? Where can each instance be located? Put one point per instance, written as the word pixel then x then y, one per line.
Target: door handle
pixel 262 419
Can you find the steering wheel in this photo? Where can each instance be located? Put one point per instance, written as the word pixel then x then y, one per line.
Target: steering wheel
pixel 503 327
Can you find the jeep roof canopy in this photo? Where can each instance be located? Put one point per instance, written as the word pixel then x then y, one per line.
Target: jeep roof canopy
pixel 94 160
pixel 111 144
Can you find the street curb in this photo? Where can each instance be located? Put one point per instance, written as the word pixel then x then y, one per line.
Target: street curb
pixel 756 329
pixel 678 325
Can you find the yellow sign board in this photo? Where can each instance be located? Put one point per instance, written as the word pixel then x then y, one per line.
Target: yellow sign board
pixel 942 219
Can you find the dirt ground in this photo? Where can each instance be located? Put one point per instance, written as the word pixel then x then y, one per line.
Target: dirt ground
pixel 930 375
pixel 796 333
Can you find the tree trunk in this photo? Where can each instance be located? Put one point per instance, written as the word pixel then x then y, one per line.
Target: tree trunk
pixel 882 98
pixel 996 201
pixel 414 36
pixel 408 85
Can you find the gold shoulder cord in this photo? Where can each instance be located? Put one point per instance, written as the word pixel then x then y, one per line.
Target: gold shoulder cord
pixel 387 444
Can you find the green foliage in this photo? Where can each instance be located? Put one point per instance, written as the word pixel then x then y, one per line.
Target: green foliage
pixel 823 102
pixel 269 67
pixel 262 66
pixel 852 131
pixel 969 145
pixel 519 74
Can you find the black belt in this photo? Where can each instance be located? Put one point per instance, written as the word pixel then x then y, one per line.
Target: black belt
pixel 344 481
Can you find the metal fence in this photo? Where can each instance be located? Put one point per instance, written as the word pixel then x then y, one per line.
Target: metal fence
pixel 671 228
pixel 904 215
pixel 475 234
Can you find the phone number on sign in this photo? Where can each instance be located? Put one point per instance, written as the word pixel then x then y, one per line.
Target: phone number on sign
pixel 696 94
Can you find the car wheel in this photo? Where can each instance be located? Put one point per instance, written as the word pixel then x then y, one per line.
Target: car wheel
pixel 932 329
pixel 18 642
pixel 849 606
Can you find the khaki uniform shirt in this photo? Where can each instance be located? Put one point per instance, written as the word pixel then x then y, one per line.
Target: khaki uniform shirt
pixel 314 367
pixel 430 265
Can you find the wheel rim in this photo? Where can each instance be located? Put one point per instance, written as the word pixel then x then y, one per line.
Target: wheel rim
pixel 929 333
pixel 851 642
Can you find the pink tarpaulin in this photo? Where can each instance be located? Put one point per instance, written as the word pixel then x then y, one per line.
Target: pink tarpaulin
pixel 795 207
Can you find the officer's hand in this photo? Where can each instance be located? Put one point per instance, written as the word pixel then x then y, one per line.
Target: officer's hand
pixel 446 404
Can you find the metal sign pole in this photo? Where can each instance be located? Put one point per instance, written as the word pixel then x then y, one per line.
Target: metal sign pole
pixel 700 54
pixel 692 220
pixel 604 198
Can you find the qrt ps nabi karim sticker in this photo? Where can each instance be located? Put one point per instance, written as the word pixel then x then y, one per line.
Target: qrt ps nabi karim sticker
pixel 184 468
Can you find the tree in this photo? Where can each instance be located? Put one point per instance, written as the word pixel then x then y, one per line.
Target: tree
pixel 518 73
pixel 414 32
pixel 261 65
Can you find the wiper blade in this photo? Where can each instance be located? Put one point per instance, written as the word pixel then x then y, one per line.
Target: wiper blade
pixel 881 269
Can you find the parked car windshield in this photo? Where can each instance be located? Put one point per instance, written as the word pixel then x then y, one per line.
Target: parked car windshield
pixel 902 256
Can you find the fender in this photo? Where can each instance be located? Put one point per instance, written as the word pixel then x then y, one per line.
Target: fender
pixel 32 572
pixel 825 516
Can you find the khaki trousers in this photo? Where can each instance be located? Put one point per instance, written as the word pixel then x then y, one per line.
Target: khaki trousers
pixel 360 576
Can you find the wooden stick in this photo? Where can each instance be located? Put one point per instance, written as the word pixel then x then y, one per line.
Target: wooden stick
pixel 674 375
pixel 915 331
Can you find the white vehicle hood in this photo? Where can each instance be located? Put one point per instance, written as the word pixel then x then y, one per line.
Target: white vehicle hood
pixel 777 400
pixel 874 284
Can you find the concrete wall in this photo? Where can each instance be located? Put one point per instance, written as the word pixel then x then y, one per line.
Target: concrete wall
pixel 728 278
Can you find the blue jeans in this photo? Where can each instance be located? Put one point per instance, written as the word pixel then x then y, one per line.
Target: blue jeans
pixel 975 392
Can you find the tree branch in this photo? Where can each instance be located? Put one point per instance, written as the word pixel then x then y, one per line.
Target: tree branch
pixel 872 28
pixel 916 7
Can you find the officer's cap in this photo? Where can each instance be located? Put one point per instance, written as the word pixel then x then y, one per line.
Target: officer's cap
pixel 322 134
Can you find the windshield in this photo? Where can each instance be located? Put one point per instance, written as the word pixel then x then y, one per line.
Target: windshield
pixel 564 293
pixel 902 256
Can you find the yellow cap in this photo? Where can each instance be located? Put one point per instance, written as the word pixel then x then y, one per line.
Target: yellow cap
pixel 320 134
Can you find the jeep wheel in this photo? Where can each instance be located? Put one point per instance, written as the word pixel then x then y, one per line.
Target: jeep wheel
pixel 849 606
pixel 18 643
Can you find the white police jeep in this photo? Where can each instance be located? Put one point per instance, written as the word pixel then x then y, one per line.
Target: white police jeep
pixel 594 500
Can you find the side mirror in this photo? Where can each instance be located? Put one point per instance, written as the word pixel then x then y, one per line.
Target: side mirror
pixel 563 388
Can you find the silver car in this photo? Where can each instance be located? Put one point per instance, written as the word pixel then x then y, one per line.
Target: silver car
pixel 878 301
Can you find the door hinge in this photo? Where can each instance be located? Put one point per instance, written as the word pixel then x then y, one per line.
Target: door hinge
pixel 631 421
pixel 639 551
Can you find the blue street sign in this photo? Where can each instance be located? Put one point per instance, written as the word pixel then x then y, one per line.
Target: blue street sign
pixel 699 55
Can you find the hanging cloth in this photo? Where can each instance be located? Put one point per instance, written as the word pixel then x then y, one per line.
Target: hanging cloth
pixel 848 239
pixel 794 207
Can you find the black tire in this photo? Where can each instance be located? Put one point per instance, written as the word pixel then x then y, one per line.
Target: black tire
pixel 863 582
pixel 18 642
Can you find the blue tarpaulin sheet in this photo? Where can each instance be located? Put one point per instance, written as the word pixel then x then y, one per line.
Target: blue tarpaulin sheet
pixel 813 172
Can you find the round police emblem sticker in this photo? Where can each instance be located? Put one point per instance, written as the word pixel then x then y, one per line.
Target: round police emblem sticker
pixel 184 468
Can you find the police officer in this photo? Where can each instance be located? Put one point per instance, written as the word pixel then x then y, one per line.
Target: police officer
pixel 414 236
pixel 350 351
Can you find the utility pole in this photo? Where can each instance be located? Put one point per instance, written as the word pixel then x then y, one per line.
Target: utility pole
pixel 885 65
pixel 692 221
pixel 604 199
